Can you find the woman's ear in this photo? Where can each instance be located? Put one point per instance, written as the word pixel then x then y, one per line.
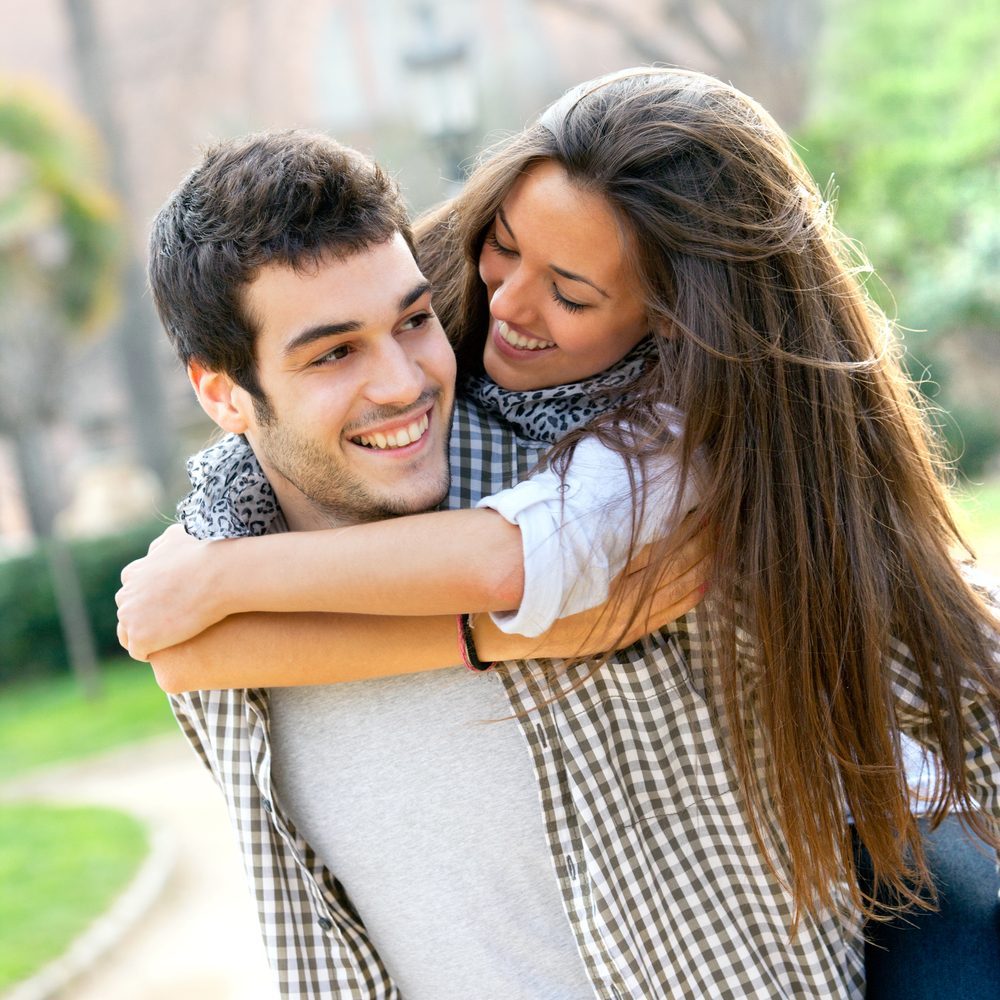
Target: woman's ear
pixel 229 405
pixel 662 328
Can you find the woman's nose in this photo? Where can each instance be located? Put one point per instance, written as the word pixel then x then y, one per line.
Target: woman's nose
pixel 511 301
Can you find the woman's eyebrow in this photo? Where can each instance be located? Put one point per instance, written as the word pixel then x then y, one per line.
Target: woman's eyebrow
pixel 561 271
pixel 579 277
pixel 503 219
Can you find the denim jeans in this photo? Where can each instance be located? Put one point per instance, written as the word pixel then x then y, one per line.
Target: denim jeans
pixel 952 953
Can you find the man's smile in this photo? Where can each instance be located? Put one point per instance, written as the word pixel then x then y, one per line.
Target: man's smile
pixel 396 436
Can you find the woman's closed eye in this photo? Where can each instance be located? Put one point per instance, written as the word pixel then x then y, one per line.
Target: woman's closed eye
pixel 494 244
pixel 568 304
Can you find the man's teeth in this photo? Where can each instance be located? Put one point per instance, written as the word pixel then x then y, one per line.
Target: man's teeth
pixel 519 340
pixel 398 438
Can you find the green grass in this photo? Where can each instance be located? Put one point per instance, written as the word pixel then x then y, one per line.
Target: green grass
pixel 48 721
pixel 60 867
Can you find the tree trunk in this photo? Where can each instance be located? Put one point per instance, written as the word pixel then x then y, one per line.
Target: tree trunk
pixel 765 48
pixel 31 453
pixel 73 618
pixel 137 328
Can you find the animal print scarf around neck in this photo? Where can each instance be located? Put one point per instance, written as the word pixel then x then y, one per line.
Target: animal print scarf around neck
pixel 230 496
pixel 550 414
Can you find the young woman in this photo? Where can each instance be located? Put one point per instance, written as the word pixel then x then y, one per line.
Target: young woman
pixel 839 618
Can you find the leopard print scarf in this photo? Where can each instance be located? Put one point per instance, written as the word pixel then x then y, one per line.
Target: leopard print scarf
pixel 230 496
pixel 550 414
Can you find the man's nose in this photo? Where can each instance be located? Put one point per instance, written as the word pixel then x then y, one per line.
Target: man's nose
pixel 396 375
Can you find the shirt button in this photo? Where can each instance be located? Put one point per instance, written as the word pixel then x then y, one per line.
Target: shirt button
pixel 326 923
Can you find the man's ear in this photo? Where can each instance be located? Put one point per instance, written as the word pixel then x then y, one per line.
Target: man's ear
pixel 229 405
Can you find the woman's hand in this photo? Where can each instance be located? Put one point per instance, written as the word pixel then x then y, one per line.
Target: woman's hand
pixel 169 595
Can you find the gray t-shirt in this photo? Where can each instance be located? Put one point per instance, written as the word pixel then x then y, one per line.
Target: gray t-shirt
pixel 428 813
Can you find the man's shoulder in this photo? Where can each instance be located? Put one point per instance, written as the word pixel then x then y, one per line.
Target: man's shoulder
pixel 487 454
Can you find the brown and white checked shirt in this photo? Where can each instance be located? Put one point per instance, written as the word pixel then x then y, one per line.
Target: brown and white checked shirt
pixel 663 883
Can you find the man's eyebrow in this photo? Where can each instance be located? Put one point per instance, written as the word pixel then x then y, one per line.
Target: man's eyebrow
pixel 561 271
pixel 323 330
pixel 319 332
pixel 416 292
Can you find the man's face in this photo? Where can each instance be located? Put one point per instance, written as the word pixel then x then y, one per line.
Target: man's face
pixel 359 383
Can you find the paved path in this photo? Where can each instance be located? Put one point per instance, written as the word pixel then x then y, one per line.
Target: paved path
pixel 199 940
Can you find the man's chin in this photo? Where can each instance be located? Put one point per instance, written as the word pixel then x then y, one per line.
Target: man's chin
pixel 368 504
pixel 399 505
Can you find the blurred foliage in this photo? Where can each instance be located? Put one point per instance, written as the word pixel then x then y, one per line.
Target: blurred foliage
pixel 907 121
pixel 978 512
pixel 53 208
pixel 60 867
pixel 31 643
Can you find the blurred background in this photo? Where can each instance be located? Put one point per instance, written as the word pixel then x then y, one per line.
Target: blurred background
pixel 103 105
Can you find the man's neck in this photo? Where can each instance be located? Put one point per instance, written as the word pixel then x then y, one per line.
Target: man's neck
pixel 303 515
pixel 300 513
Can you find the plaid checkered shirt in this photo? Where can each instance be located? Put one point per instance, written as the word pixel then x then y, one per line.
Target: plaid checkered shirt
pixel 663 883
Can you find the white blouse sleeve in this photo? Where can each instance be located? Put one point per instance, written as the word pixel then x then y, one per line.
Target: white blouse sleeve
pixel 575 533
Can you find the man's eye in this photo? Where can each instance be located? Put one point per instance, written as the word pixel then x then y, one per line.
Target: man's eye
pixel 416 321
pixel 337 353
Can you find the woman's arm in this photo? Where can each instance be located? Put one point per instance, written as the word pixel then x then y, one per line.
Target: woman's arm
pixel 268 650
pixel 579 531
pixel 547 548
pixel 437 563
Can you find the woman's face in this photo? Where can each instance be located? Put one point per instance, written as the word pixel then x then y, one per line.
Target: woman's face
pixel 564 303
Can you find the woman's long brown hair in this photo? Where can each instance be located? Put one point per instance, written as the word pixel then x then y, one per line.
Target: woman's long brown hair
pixel 836 548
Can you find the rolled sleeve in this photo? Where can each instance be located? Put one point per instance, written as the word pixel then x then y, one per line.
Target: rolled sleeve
pixel 576 532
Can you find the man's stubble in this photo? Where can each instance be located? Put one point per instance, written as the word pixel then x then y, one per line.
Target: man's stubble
pixel 337 493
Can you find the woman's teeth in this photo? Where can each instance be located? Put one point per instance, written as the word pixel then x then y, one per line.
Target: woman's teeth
pixel 398 438
pixel 519 340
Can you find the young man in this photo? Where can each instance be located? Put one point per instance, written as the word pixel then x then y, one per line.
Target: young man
pixel 383 857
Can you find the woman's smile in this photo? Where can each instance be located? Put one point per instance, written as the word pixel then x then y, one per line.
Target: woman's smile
pixel 518 340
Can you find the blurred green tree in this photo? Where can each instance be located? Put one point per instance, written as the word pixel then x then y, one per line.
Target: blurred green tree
pixel 59 251
pixel 136 332
pixel 906 118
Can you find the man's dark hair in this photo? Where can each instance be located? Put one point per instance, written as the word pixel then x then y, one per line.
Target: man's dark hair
pixel 286 198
